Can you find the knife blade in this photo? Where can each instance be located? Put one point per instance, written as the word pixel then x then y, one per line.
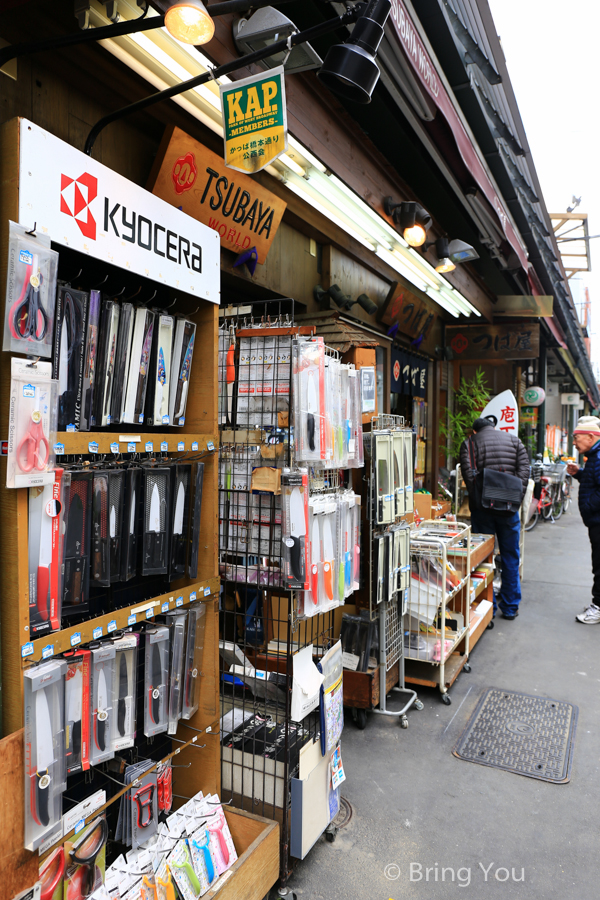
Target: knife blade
pixel 297 533
pixel 328 561
pixel 156 685
pixel 73 550
pixel 161 378
pixel 102 712
pixel 132 515
pixel 40 785
pixel 123 693
pixel 155 543
pixel 315 559
pixel 73 688
pixel 112 527
pixel 185 376
pixel 178 543
pixel 45 554
pixel 178 521
pixel 312 407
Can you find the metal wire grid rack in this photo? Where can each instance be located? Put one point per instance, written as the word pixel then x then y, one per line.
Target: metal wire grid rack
pixel 259 625
pixel 439 600
pixel 391 613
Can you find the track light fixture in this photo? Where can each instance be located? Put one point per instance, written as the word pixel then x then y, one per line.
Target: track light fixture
pixel 411 218
pixel 444 263
pixel 343 301
pixel 189 22
pixel 265 27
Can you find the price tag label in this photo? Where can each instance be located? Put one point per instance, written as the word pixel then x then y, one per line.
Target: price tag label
pixel 210 446
pixel 71 429
pixel 194 445
pixel 165 420
pixel 149 447
pixel 48 651
pixel 59 449
pixel 181 420
pixel 75 639
pixel 131 620
pixel 131 447
pixel 192 596
pixel 114 447
pixel 179 601
pixel 109 419
pixel 207 592
pixel 180 446
pixel 79 826
pixel 149 613
pixel 112 626
pixel 92 447
pixel 97 633
pixel 165 606
pixel 27 649
pixel 141 419
pixel 164 447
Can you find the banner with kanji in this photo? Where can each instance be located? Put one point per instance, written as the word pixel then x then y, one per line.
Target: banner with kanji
pixel 254 120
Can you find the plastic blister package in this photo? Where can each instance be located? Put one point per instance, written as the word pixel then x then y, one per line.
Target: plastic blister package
pixel 181 367
pixel 181 483
pixel 156 502
pixel 70 333
pixel 356 457
pixel 157 399
pixel 156 677
pixel 124 691
pixel 76 556
pixel 107 526
pixel 196 516
pixel 86 855
pixel 131 525
pixel 194 652
pixel 89 368
pixel 47 509
pixel 77 710
pixel 137 378
pixel 31 425
pixel 175 622
pixel 409 471
pixel 330 553
pixel 384 482
pixel 309 401
pixel 101 702
pixel 30 293
pixel 105 364
pixel 398 466
pixel 121 367
pixel 45 770
pixel 294 528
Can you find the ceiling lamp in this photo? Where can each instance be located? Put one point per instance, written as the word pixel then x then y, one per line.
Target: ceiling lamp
pixel 350 69
pixel 445 263
pixel 412 219
pixel 267 26
pixel 189 22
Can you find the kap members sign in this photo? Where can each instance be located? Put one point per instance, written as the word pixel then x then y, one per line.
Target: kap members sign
pixel 196 180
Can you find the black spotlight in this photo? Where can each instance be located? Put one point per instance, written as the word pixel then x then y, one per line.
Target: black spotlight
pixel 367 304
pixel 339 298
pixel 350 69
pixel 412 219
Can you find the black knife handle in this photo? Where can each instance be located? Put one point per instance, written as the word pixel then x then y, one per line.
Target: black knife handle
pixel 121 709
pixel 76 738
pixel 297 558
pixel 310 427
pixel 101 733
pixel 43 797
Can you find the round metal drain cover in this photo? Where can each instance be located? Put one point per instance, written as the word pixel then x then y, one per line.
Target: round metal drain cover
pixel 344 815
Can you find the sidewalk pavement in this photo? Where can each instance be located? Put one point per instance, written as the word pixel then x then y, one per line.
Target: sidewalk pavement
pixel 413 802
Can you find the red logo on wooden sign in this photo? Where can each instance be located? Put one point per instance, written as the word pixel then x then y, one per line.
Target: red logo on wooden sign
pixel 184 173
pixel 459 343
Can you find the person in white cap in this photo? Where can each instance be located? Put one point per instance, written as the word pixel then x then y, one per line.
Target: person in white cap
pixel 586 436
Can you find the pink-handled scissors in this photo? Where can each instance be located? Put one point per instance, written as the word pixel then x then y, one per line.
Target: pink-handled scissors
pixel 32 443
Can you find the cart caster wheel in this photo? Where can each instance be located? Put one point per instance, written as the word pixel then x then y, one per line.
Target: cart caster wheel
pixel 361 719
pixel 403 722
pixel 447 699
pixel 490 625
pixel 418 704
pixel 331 834
pixel 285 894
pixel 467 668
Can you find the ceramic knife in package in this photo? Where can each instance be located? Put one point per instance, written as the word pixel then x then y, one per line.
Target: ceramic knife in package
pixel 181 368
pixel 77 710
pixel 102 712
pixel 124 691
pixel 116 491
pixel 137 377
pixel 399 472
pixel 100 539
pixel 294 526
pixel 405 563
pixel 156 679
pixel 131 524
pixel 70 332
pixel 180 492
pixel 356 459
pixel 309 400
pixel 195 517
pixel 379 574
pixel 343 542
pixel 77 543
pixel 328 529
pixel 45 770
pixel 409 470
pixel 89 368
pixel 175 622
pixel 384 494
pixel 157 521
pixel 47 507
pixel 121 366
pixel 194 652
pixel 356 525
pixel 104 379
pixel 157 396
pixel 311 605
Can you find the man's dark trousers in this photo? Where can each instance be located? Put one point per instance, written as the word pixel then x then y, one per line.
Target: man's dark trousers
pixel 508 530
pixel 594 533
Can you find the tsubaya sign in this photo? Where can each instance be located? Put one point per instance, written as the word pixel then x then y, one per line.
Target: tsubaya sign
pixel 508 341
pixel 84 205
pixel 197 181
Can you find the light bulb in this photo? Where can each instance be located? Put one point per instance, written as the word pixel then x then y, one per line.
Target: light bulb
pixel 189 22
pixel 445 265
pixel 415 235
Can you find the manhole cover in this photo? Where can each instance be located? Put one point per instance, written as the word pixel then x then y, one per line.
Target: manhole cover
pixel 521 733
pixel 344 815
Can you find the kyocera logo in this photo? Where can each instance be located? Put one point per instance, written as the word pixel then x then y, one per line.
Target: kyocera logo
pixel 76 194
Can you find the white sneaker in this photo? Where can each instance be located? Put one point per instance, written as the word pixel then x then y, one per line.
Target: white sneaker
pixel 590 616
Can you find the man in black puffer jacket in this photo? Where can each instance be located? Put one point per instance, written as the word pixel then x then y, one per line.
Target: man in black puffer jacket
pixel 505 453
pixel 587 440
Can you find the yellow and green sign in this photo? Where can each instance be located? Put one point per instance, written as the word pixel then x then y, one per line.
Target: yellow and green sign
pixel 255 121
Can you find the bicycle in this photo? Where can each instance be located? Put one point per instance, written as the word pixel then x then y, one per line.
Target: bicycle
pixel 555 495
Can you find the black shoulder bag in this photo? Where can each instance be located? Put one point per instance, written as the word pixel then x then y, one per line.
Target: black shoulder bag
pixel 496 489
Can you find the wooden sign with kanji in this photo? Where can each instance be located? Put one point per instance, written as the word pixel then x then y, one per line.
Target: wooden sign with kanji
pixel 510 341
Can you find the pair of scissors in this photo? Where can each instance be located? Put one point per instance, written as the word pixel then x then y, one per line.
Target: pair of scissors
pixel 27 319
pixel 33 442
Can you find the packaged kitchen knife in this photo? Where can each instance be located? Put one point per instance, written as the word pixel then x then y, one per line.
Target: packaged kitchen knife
pixel 30 293
pixel 102 712
pixel 157 521
pixel 131 522
pixel 116 492
pixel 399 473
pixel 91 353
pixel 31 424
pixel 356 458
pixel 77 710
pixel 100 540
pixel 122 358
pixel 157 396
pixel 137 378
pixel 294 528
pixel 105 364
pixel 196 516
pixel 181 368
pixel 384 483
pixel 309 400
pixel 311 605
pixel 45 770
pixel 194 652
pixel 70 332
pixel 77 545
pixel 175 622
pixel 329 532
pixel 46 543
pixel 156 678
pixel 409 470
pixel 124 691
pixel 379 573
pixel 181 478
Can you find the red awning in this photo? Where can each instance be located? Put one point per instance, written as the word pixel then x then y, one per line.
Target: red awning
pixel 556 331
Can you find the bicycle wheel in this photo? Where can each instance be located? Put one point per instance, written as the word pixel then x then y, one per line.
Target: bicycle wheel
pixel 557 507
pixel 547 502
pixel 566 493
pixel 533 520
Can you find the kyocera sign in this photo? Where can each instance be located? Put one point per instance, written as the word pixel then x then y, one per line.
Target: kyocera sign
pixel 84 205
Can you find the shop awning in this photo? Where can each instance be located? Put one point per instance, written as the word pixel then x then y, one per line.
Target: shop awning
pixel 340 334
pixel 556 332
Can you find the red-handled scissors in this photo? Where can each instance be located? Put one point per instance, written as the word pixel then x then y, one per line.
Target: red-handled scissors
pixel 29 451
pixel 27 318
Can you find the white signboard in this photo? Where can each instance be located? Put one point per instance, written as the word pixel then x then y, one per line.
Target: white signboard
pixel 505 410
pixel 569 399
pixel 84 205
